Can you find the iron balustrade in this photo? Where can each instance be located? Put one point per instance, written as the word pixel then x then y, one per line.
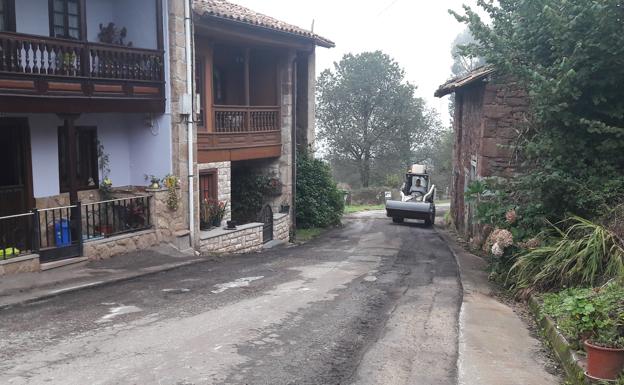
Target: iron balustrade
pixel 17 235
pixel 116 216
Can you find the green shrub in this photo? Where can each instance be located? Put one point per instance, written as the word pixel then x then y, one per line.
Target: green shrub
pixel 596 314
pixel 319 202
pixel 586 254
pixel 248 196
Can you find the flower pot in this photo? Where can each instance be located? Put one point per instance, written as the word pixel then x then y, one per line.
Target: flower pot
pixel 604 363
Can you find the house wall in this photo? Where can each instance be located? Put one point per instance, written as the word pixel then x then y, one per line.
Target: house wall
pixel 488 119
pixel 32 17
pixel 134 148
pixel 138 16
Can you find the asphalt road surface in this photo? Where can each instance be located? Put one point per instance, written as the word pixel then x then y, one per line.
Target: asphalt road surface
pixel 370 303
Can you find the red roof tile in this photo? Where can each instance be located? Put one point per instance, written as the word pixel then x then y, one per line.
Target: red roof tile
pixel 223 9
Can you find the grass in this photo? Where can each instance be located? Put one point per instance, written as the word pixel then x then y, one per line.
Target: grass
pixel 357 208
pixel 305 235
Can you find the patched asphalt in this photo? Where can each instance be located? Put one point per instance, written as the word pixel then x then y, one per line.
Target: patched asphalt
pixel 369 303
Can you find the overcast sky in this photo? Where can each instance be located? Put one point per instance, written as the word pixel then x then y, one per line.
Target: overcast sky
pixel 416 33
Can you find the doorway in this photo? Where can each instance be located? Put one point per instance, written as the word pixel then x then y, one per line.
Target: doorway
pixel 16 195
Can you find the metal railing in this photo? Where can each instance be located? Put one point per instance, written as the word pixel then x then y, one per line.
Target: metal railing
pixel 116 216
pixel 16 235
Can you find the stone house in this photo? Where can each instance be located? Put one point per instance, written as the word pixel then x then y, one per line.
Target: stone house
pixel 490 113
pixel 90 95
pixel 95 99
pixel 255 83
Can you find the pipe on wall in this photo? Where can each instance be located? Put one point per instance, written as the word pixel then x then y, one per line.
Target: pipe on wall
pixel 189 119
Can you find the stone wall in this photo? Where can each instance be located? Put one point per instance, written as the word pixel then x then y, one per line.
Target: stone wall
pixel 224 183
pixel 488 119
pixel 245 239
pixel 23 264
pixel 121 244
pixel 177 86
pixel 281 227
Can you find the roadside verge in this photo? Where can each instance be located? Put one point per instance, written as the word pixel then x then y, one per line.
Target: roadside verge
pixel 495 345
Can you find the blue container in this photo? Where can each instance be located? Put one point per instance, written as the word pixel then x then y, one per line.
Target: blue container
pixel 62 235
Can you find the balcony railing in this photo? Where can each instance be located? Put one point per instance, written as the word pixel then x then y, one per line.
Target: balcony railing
pixel 237 119
pixel 34 55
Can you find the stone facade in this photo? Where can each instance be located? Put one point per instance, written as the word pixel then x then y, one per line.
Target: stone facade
pixel 489 117
pixel 126 243
pixel 246 239
pixel 281 227
pixel 22 264
pixel 224 183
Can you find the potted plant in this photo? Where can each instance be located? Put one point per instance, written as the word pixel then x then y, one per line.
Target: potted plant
pixel 274 187
pixel 218 209
pixel 172 183
pixel 154 182
pixel 205 215
pixel 110 34
pixel 605 349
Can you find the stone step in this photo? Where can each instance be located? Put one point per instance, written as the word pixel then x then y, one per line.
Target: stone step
pixel 63 263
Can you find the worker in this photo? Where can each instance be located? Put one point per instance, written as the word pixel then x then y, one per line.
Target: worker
pixel 418 187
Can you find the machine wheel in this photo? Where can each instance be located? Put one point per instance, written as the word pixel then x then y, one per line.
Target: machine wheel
pixel 397 220
pixel 429 222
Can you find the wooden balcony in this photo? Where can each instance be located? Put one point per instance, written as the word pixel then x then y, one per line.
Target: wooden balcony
pixel 41 74
pixel 239 133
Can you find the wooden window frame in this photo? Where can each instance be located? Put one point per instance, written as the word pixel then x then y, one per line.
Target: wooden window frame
pixel 211 173
pixel 81 20
pixel 200 85
pixel 9 15
pixel 64 185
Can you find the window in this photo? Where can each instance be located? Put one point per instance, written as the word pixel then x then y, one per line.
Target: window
pixel 86 158
pixel 200 76
pixel 208 185
pixel 7 15
pixel 65 19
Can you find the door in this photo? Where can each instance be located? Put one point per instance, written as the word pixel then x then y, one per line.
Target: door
pixel 15 175
pixel 266 217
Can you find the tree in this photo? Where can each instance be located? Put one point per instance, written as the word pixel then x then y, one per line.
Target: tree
pixel 368 113
pixel 570 56
pixel 463 62
pixel 319 202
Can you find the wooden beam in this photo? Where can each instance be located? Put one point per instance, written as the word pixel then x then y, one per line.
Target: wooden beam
pixel 159 25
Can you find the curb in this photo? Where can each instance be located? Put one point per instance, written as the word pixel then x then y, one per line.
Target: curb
pixel 566 355
pixel 91 285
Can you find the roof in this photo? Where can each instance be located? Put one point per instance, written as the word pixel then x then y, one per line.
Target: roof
pixel 223 9
pixel 475 75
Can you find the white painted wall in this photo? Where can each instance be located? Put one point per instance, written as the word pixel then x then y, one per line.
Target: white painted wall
pixel 134 148
pixel 44 149
pixel 150 148
pixel 32 17
pixel 138 16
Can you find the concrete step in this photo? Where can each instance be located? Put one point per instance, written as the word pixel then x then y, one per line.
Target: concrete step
pixel 63 263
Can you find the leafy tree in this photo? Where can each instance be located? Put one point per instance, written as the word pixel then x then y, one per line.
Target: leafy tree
pixel 319 202
pixel 570 56
pixel 463 62
pixel 368 113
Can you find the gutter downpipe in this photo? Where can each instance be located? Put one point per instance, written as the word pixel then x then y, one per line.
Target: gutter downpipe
pixel 189 118
pixel 293 141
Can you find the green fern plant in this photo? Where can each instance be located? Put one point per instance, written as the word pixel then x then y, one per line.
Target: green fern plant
pixel 585 254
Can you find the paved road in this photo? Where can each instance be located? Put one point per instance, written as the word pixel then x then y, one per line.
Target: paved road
pixel 370 303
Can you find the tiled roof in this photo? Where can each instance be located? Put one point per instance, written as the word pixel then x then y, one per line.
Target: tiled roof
pixel 477 74
pixel 223 9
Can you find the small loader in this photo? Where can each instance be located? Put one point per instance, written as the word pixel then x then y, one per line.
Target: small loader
pixel 417 198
